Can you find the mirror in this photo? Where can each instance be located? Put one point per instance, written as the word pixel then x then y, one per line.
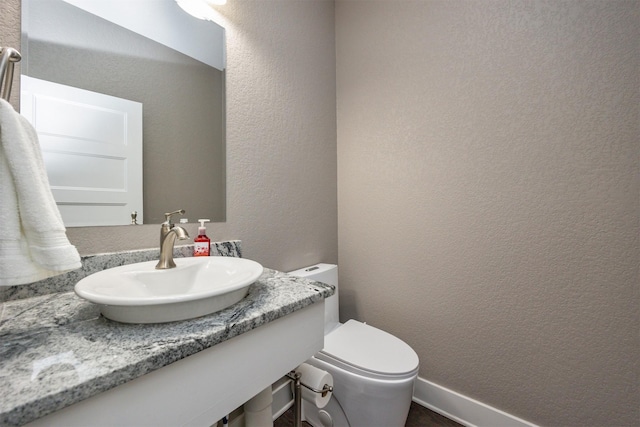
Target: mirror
pixel 182 95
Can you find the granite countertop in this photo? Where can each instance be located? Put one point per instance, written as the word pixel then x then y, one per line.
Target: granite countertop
pixel 56 349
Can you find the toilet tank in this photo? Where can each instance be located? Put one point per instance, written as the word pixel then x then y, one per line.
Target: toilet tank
pixel 325 273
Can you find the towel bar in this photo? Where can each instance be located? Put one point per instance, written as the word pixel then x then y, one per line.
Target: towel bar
pixel 8 56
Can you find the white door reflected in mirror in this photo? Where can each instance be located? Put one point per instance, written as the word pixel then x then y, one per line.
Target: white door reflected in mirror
pixel 92 149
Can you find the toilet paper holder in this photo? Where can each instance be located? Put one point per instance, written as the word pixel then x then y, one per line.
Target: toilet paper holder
pixel 295 376
pixel 297 395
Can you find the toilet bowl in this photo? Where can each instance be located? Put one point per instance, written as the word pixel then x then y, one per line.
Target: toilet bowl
pixel 373 371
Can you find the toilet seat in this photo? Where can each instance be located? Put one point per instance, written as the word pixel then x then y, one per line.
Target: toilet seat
pixel 362 349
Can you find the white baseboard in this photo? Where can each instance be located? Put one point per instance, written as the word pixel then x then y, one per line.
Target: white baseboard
pixel 462 409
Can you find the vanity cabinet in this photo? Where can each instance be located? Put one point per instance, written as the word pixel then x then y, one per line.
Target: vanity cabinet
pixel 202 388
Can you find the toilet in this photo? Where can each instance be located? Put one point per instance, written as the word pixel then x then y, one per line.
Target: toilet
pixel 373 371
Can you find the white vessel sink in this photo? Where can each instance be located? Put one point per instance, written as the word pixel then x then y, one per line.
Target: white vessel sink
pixel 138 293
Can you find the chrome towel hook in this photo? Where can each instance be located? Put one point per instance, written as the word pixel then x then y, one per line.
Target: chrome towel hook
pixel 8 56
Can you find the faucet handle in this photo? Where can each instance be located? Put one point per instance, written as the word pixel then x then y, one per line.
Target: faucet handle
pixel 167 216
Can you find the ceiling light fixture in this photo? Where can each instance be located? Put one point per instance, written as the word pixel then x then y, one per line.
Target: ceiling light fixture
pixel 200 9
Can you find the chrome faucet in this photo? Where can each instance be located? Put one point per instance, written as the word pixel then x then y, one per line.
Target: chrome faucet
pixel 168 234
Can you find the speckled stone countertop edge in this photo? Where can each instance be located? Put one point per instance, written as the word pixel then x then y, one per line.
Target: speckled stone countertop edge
pixel 273 296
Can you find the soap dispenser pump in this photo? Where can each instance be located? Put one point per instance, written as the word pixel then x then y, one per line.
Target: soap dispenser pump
pixel 202 244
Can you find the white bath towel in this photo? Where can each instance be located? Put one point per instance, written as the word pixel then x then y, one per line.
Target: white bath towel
pixel 33 240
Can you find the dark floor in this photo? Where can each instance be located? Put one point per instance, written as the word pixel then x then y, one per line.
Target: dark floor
pixel 419 416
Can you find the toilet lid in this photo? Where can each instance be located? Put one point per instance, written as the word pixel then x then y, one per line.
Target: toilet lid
pixel 370 349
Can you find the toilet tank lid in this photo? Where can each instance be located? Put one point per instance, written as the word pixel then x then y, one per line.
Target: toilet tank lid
pixel 370 349
pixel 313 270
pixel 326 273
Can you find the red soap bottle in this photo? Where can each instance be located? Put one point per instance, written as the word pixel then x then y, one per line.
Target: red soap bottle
pixel 202 244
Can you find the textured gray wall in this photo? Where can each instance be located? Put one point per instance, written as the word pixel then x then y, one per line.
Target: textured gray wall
pixel 489 196
pixel 10 37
